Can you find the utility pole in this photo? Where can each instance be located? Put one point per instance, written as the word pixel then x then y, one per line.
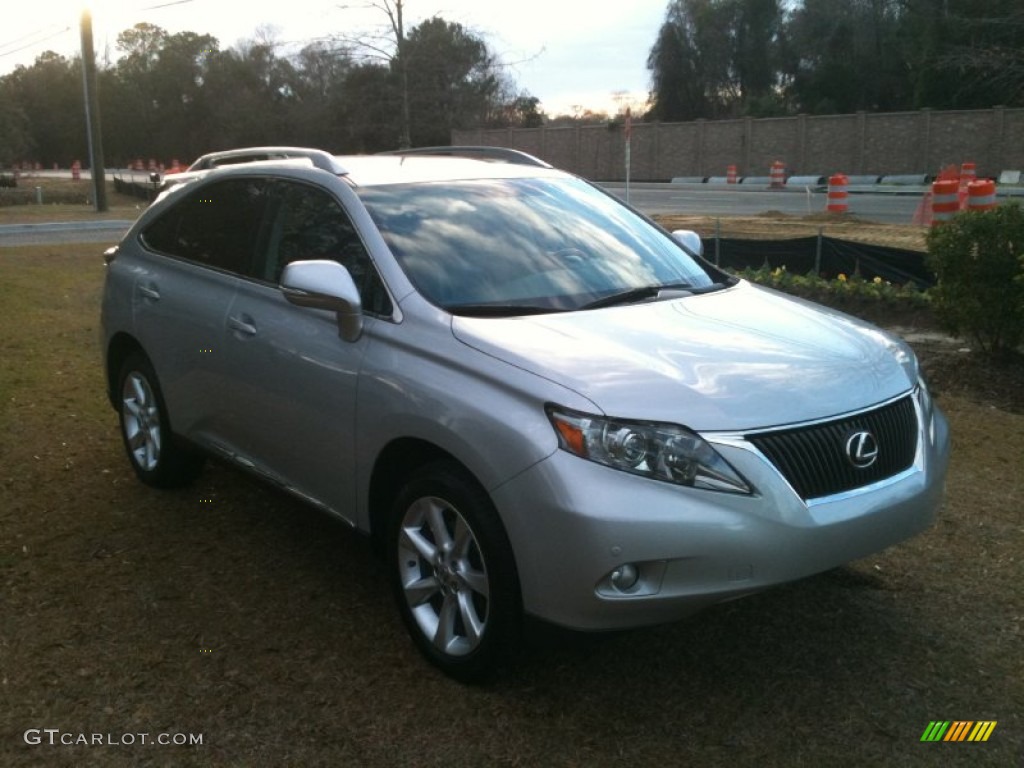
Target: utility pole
pixel 92 115
pixel 403 67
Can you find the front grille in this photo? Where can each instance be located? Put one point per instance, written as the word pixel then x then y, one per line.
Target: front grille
pixel 815 461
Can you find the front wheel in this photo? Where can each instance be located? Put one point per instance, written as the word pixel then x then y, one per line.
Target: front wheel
pixel 145 429
pixel 453 572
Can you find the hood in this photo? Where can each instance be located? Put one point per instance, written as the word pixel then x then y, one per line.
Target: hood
pixel 738 359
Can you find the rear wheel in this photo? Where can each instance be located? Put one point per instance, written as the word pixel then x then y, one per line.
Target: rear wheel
pixel 156 457
pixel 453 572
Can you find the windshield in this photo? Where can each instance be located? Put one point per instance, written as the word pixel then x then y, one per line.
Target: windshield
pixel 533 244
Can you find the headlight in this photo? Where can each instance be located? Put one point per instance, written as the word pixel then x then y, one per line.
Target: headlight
pixel 924 397
pixel 905 357
pixel 665 452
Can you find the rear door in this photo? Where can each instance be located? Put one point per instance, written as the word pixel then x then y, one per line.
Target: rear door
pixel 194 259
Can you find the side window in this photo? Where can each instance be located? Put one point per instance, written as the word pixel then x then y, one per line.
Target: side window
pixel 217 226
pixel 310 224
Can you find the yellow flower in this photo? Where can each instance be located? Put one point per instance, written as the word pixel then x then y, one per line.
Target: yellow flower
pixel 878 281
pixel 842 277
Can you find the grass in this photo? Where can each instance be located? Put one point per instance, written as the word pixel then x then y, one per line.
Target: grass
pixel 120 206
pixel 229 611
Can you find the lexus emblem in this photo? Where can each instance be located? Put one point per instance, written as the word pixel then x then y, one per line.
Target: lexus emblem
pixel 862 449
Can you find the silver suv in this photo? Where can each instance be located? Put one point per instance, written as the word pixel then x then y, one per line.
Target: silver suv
pixel 532 398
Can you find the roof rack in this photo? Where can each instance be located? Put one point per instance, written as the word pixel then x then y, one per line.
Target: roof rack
pixel 319 158
pixel 493 154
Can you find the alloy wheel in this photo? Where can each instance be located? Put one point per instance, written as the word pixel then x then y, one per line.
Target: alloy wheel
pixel 142 425
pixel 443 576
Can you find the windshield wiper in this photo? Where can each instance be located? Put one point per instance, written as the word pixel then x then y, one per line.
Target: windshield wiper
pixel 672 290
pixel 499 310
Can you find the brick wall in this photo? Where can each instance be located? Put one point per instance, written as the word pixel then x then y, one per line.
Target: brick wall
pixel 893 143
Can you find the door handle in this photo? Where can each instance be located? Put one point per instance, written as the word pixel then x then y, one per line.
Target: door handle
pixel 150 292
pixel 244 325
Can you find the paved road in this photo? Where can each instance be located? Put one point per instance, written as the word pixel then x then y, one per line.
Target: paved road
pixel 709 200
pixel 62 233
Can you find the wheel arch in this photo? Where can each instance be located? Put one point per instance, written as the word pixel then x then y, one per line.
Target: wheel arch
pixel 119 348
pixel 394 464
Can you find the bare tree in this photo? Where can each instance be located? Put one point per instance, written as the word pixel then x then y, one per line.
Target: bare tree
pixel 988 57
pixel 392 48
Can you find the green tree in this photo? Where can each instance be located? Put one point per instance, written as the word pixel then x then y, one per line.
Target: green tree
pixel 716 58
pixel 758 35
pixel 49 95
pixel 453 81
pixel 965 54
pixel 179 95
pixel 676 90
pixel 390 47
pixel 373 123
pixel 251 91
pixel 852 56
pixel 178 81
pixel 16 144
pixel 442 75
pixel 131 114
pixel 520 112
pixel 320 110
pixel 153 101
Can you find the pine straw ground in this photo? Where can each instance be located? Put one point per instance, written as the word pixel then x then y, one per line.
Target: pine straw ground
pixel 229 611
pixel 775 225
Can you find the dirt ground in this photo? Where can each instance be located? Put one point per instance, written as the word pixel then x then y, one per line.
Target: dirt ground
pixel 774 225
pixel 231 612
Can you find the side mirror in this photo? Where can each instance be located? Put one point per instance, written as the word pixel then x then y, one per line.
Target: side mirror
pixel 690 240
pixel 325 284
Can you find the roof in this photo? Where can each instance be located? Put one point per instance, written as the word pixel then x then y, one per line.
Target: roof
pixel 415 166
pixel 377 170
pixel 492 154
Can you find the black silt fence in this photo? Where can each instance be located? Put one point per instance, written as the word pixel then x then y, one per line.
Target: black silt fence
pixel 825 256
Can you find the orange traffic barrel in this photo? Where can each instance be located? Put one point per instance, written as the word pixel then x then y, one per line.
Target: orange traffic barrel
pixel 838 193
pixel 968 173
pixel 945 200
pixel 981 195
pixel 778 174
pixel 730 174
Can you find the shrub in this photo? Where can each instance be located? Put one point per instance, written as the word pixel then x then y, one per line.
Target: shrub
pixel 978 259
pixel 851 291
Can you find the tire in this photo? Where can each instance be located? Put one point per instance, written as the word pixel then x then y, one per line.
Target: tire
pixel 453 573
pixel 156 456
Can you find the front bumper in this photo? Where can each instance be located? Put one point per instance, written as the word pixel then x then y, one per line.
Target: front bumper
pixel 572 522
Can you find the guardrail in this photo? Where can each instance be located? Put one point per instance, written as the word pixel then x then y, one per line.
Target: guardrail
pixel 142 184
pixel 898 184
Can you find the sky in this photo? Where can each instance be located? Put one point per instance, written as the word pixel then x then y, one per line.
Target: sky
pixel 570 54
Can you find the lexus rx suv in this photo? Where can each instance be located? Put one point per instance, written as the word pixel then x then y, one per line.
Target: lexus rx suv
pixel 533 399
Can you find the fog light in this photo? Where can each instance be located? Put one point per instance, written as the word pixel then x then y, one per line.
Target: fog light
pixel 625 577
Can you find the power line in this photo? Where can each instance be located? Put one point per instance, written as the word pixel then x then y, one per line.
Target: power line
pixel 165 5
pixel 33 43
pixel 33 39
